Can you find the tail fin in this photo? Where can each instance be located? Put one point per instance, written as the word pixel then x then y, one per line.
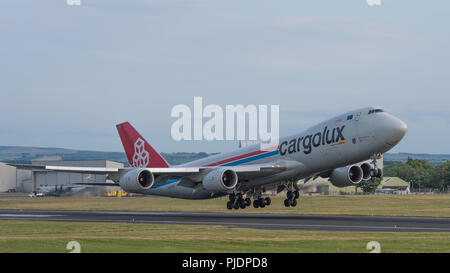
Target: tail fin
pixel 139 153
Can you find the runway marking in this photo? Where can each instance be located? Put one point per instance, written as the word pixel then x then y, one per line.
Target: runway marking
pixel 394 228
pixel 224 220
pixel 28 215
pixel 292 225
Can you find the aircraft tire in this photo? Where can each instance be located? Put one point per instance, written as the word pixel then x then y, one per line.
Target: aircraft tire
pixel 229 205
pixel 296 194
pixel 255 204
pixel 242 204
pixel 232 197
pixel 267 201
pixel 294 203
pixel 289 195
pixel 261 202
pixel 248 201
pixel 287 203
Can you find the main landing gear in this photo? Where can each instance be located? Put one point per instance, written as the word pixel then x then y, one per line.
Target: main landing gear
pixel 237 201
pixel 261 202
pixel 291 198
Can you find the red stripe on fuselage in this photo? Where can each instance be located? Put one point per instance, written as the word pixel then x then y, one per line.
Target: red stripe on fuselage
pixel 241 156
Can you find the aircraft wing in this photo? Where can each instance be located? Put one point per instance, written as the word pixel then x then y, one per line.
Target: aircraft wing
pixel 89 170
pixel 106 171
pixel 162 174
pixel 175 171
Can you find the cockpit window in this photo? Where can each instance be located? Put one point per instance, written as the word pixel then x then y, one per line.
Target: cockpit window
pixel 376 111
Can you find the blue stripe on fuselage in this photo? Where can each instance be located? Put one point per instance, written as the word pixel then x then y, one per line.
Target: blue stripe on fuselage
pixel 252 158
pixel 235 163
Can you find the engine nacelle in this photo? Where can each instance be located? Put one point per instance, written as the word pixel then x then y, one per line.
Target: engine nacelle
pixel 366 169
pixel 219 180
pixel 137 180
pixel 346 176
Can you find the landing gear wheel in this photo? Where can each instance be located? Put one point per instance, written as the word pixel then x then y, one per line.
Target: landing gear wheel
pixel 232 197
pixel 294 202
pixel 242 204
pixel 268 201
pixel 248 201
pixel 289 195
pixel 238 196
pixel 261 202
pixel 255 204
pixel 296 194
pixel 287 203
pixel 229 205
pixel 236 205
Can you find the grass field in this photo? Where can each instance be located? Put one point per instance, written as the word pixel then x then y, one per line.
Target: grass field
pixel 388 205
pixel 37 236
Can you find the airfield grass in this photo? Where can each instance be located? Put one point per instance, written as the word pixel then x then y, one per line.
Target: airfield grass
pixel 436 205
pixel 45 237
pixel 41 236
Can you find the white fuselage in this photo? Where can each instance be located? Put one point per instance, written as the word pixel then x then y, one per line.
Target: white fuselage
pixel 343 140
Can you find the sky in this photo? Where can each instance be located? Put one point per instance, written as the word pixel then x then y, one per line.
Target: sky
pixel 70 73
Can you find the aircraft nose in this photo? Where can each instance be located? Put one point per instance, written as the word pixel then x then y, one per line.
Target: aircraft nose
pixel 400 128
pixel 396 129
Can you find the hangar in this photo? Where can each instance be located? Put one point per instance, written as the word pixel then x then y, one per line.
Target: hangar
pixel 8 177
pixel 27 181
pixel 323 186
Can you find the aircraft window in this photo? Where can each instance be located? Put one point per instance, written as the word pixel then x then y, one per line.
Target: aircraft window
pixel 376 111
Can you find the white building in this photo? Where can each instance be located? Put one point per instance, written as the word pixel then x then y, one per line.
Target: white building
pixel 8 177
pixel 28 181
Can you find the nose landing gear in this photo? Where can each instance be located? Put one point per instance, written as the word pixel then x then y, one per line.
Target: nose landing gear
pixel 376 171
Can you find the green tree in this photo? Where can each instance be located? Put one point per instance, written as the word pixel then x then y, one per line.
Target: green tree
pixel 416 171
pixel 440 178
pixel 370 185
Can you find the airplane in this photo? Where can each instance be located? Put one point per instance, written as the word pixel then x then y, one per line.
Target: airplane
pixel 347 149
pixel 58 190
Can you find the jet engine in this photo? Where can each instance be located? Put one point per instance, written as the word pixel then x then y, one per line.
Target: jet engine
pixel 137 180
pixel 346 176
pixel 220 180
pixel 366 169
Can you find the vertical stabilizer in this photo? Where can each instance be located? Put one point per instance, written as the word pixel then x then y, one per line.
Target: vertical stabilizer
pixel 139 152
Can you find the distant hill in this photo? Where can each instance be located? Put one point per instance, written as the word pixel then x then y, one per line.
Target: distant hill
pixel 19 154
pixel 433 159
pixel 24 155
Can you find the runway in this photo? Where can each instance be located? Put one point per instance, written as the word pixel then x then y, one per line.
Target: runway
pixel 247 220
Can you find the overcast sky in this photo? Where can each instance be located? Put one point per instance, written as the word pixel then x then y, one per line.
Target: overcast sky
pixel 68 74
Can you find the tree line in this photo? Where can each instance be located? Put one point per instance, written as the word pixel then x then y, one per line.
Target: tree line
pixel 421 174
